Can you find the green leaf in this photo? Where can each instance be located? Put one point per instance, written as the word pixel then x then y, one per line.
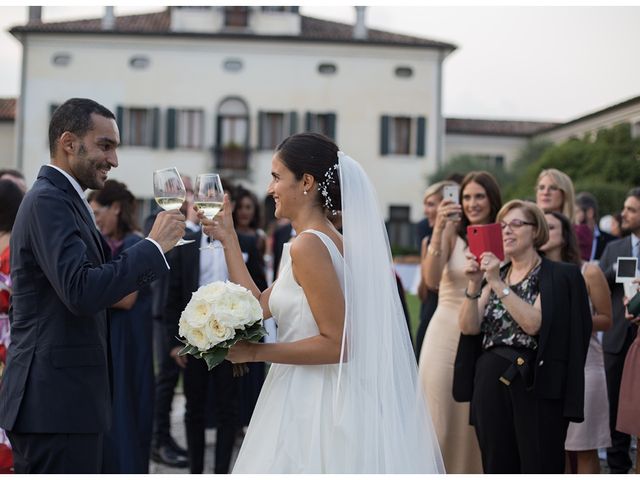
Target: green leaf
pixel 214 356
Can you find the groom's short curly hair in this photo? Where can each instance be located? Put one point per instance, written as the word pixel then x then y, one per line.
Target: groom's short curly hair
pixel 314 154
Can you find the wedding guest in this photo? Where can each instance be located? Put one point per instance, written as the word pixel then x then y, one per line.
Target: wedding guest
pixel 428 298
pixel 587 214
pixel 616 226
pixel 534 321
pixel 617 340
pixel 555 193
pixel 127 444
pixel 628 408
pixel 443 271
pixel 252 239
pixel 164 448
pixel 584 439
pixel 193 266
pixel 15 176
pixel 10 198
pixel 55 398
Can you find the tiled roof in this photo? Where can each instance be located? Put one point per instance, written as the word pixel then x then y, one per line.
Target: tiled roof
pixel 158 23
pixel 7 109
pixel 627 103
pixel 508 128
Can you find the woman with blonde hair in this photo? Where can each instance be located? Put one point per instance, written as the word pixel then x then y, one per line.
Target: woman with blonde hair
pixel 428 297
pixel 555 193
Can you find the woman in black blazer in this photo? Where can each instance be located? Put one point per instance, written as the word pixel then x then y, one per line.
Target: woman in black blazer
pixel 534 321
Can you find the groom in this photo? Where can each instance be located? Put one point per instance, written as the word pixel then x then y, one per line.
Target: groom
pixel 55 398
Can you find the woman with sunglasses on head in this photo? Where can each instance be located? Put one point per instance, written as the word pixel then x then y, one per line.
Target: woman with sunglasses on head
pixel 585 438
pixel 443 270
pixel 533 318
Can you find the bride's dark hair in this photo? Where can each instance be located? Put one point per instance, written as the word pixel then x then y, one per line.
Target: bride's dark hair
pixel 314 154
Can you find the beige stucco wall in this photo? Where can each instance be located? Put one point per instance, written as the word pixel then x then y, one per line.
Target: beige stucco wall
pixel 459 144
pixel 628 114
pixel 277 76
pixel 7 144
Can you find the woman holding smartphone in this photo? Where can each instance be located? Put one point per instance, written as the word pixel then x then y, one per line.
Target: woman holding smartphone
pixel 534 321
pixel 443 270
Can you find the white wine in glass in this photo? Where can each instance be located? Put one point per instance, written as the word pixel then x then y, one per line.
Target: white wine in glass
pixel 208 196
pixel 169 192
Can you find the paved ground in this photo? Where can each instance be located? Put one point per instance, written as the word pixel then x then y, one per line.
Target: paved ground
pixel 177 430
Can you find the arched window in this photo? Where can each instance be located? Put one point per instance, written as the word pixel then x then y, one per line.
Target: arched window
pixel 232 135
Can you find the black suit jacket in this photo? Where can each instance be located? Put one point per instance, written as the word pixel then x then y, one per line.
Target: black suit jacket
pixel 57 378
pixel 601 242
pixel 564 337
pixel 614 339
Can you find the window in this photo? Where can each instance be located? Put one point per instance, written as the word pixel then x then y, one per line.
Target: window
pixel 403 135
pixel 404 72
pixel 232 65
pixel 236 17
pixel 490 160
pixel 232 135
pixel 139 62
pixel 61 59
pixel 327 68
pixel 324 123
pixel 185 128
pixel 139 127
pixel 400 229
pixel 274 127
pixel 635 129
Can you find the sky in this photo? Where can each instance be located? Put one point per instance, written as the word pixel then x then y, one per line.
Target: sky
pixel 551 63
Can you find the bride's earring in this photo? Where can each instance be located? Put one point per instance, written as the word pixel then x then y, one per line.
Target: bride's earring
pixel 304 192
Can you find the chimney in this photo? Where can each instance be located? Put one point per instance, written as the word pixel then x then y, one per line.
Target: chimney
pixel 35 14
pixel 360 29
pixel 109 19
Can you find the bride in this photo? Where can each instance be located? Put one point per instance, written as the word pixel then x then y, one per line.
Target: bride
pixel 342 394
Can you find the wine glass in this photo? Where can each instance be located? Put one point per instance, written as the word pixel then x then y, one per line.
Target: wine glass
pixel 169 192
pixel 208 196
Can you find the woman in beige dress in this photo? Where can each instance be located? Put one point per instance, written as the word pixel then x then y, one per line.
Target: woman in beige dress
pixel 443 271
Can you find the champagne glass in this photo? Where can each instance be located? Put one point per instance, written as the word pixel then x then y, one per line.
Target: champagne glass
pixel 208 196
pixel 169 192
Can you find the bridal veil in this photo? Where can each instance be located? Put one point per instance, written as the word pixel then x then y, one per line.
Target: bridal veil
pixel 379 405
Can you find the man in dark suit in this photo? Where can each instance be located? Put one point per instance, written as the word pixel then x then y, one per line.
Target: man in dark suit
pixel 618 338
pixel 55 398
pixel 192 266
pixel 587 214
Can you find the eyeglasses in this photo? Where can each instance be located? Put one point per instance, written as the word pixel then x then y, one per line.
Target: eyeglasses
pixel 551 188
pixel 515 224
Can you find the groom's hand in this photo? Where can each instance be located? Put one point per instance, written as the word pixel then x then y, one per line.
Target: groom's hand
pixel 168 229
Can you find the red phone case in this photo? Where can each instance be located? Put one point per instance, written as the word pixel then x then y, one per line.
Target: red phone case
pixel 485 238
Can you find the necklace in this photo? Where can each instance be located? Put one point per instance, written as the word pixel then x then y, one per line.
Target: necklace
pixel 508 276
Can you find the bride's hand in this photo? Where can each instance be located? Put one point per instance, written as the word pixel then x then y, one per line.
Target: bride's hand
pixel 242 352
pixel 221 226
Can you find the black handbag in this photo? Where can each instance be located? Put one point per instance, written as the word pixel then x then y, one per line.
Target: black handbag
pixel 464 368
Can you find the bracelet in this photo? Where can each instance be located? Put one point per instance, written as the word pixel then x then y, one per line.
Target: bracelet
pixel 433 251
pixel 475 296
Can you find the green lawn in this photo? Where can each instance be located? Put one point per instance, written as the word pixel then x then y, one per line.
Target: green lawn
pixel 413 303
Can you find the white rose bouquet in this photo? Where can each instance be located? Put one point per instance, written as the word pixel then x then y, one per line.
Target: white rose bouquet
pixel 217 316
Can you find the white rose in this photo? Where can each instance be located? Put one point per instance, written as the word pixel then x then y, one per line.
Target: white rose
pixel 195 336
pixel 216 332
pixel 197 313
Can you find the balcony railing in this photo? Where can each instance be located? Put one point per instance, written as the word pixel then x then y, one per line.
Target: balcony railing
pixel 231 158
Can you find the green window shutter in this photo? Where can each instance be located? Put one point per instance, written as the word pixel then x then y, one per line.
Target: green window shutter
pixel 331 126
pixel 261 124
pixel 307 121
pixel 155 135
pixel 171 128
pixel 384 135
pixel 422 137
pixel 119 118
pixel 293 123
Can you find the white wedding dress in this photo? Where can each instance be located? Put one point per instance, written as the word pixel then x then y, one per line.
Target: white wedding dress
pixel 292 428
pixel 366 414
